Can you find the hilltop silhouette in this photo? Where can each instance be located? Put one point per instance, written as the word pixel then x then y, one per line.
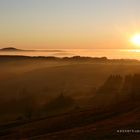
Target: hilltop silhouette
pixel 10 49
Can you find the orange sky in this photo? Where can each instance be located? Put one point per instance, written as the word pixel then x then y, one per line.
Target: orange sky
pixel 67 24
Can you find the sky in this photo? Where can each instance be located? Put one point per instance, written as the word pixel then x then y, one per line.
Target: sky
pixel 68 24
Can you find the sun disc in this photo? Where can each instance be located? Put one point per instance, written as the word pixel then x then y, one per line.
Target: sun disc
pixel 136 40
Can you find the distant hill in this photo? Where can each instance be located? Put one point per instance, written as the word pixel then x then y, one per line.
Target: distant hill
pixel 10 49
pixel 73 58
pixel 15 49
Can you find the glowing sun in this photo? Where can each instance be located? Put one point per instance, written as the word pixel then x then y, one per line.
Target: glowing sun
pixel 136 40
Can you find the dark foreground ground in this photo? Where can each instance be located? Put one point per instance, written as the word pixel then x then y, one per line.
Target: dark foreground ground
pixel 85 125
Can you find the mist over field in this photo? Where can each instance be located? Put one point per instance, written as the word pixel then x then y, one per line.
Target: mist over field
pixel 36 90
pixel 109 53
